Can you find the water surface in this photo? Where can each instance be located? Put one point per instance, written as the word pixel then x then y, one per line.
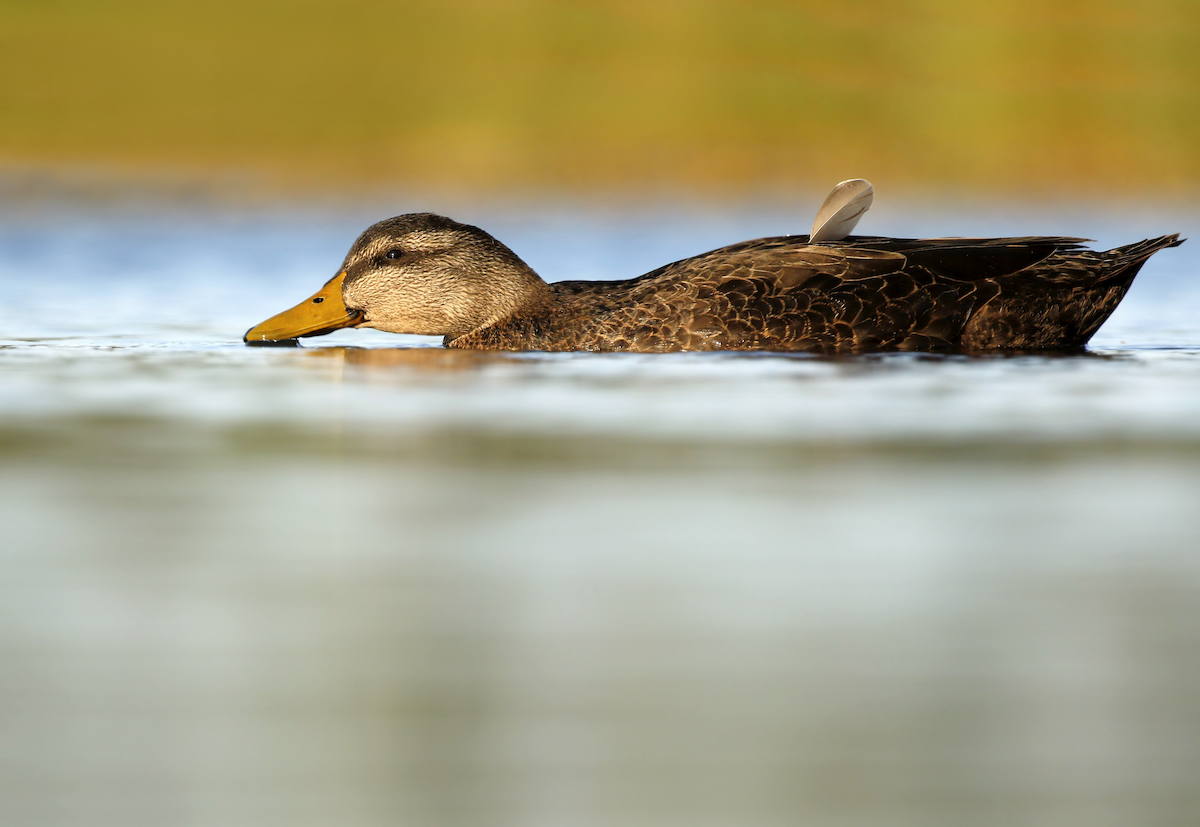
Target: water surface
pixel 370 581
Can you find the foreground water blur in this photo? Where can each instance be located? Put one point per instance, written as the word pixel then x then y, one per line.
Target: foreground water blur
pixel 370 581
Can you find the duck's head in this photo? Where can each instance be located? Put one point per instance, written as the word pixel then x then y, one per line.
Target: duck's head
pixel 418 273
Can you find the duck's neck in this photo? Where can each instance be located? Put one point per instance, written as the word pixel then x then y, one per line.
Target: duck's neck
pixel 522 329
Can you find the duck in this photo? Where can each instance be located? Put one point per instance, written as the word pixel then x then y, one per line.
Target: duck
pixel 824 292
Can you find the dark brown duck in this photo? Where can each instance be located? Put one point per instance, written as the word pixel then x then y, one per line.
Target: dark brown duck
pixel 426 274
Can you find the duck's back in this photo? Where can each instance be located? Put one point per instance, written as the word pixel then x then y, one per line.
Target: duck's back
pixel 856 295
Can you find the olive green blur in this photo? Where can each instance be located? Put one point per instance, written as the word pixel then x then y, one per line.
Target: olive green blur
pixel 1011 96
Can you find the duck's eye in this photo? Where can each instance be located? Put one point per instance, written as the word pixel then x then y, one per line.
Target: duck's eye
pixel 394 254
pixel 318 299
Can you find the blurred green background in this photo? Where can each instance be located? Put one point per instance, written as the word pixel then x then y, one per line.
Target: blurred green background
pixel 1023 96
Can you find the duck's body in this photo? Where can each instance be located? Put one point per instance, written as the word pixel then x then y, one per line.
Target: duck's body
pixel 856 295
pixel 426 274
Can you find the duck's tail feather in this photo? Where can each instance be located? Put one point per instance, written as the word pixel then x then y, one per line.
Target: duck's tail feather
pixel 1111 288
pixel 1145 249
pixel 1128 260
pixel 1087 287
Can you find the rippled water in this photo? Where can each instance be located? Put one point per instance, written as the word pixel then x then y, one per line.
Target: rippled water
pixel 371 581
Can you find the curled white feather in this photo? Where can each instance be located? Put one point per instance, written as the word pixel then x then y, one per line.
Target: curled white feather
pixel 842 210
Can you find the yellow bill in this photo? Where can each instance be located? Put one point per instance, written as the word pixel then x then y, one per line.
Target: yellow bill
pixel 322 312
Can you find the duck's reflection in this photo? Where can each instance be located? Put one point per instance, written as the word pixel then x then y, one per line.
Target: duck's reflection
pixel 426 359
pixel 453 360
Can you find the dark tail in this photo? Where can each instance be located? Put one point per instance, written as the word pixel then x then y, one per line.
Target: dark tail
pixel 1128 260
pixel 1107 292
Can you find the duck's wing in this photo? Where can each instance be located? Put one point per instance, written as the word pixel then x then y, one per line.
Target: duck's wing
pixel 972 259
pixel 792 261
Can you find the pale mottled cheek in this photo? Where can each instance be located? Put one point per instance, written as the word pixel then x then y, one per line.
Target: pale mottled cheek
pixel 398 313
pixel 399 308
